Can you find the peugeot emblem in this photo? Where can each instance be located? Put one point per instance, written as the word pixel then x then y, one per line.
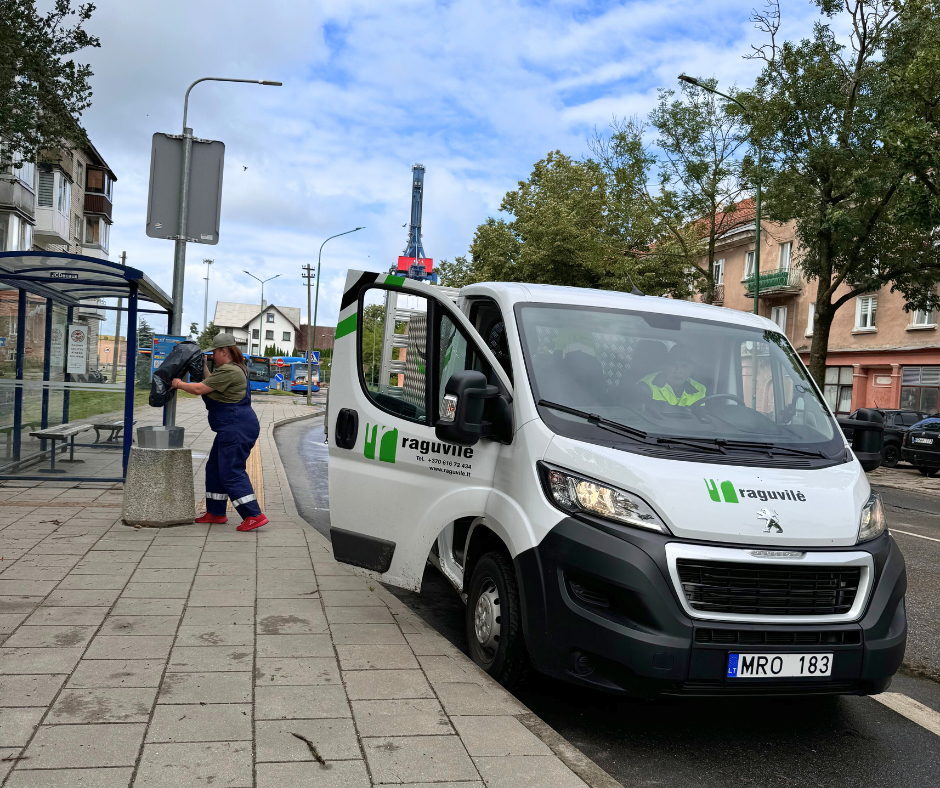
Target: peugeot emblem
pixel 772 518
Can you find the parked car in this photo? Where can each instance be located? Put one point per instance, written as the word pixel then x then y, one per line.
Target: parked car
pixel 897 423
pixel 921 446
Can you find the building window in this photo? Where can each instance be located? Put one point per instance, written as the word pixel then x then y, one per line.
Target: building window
pixel 922 318
pixel 285 337
pixel 749 265
pixel 269 335
pixel 95 182
pixel 255 333
pixel 865 309
pixel 92 230
pixel 779 315
pixel 27 171
pixel 785 251
pixel 810 318
pixel 46 188
pixel 719 271
pixel 920 389
pixel 269 318
pixel 20 234
pixel 63 194
pixel 838 389
pixel 79 172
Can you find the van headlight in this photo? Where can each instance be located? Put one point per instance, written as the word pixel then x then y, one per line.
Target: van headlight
pixel 575 494
pixel 872 522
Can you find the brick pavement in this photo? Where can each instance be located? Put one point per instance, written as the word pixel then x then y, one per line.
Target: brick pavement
pixel 198 656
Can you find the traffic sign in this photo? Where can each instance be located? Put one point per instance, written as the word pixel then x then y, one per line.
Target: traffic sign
pixel 279 378
pixel 279 362
pixel 316 356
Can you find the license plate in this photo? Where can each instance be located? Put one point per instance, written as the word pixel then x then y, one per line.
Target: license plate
pixel 771 666
pixel 923 440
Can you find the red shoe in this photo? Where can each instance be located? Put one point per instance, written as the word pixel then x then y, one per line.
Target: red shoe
pixel 212 518
pixel 250 523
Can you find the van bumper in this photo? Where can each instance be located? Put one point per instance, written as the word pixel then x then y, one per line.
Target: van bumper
pixel 600 610
pixel 926 459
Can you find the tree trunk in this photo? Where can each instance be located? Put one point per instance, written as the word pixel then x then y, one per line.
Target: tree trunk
pixel 822 325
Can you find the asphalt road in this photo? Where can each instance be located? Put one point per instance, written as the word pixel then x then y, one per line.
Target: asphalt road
pixel 846 741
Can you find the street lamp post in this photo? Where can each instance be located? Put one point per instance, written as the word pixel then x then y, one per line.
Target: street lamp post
pixel 205 306
pixel 179 253
pixel 697 83
pixel 316 302
pixel 260 321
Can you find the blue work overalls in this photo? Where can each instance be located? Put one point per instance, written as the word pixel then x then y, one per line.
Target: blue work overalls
pixel 236 429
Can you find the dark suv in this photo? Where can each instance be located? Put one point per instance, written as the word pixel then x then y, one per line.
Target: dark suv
pixel 922 446
pixel 897 423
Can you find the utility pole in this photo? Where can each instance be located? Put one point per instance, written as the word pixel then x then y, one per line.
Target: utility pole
pixel 205 307
pixel 117 329
pixel 308 275
pixel 260 315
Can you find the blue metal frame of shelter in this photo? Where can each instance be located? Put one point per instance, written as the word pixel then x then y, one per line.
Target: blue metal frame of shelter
pixel 69 279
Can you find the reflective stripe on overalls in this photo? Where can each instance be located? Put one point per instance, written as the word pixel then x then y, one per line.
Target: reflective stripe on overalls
pixel 236 430
pixel 666 394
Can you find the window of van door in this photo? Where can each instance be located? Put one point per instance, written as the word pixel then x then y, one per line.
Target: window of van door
pixel 392 351
pixel 456 353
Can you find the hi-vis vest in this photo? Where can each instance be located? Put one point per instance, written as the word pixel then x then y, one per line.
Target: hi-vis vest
pixel 666 394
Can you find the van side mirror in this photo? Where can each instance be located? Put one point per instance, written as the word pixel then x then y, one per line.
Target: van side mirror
pixel 461 420
pixel 867 434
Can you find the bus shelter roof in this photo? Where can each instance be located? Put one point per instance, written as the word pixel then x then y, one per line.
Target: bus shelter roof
pixel 70 278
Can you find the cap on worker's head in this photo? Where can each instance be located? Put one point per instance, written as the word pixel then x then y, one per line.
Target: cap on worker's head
pixel 680 353
pixel 222 340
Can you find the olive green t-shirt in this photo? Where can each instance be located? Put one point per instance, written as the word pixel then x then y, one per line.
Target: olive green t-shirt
pixel 228 383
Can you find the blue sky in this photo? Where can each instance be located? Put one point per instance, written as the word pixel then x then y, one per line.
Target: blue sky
pixel 476 90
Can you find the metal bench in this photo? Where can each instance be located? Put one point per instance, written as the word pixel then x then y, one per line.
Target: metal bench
pixel 64 432
pixel 115 428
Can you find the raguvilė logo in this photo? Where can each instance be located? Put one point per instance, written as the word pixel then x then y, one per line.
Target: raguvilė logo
pixel 388 445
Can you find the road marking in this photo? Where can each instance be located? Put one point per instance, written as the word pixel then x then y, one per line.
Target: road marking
pixel 910 708
pixel 908 533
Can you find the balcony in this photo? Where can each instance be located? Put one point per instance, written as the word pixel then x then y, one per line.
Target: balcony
pixel 778 280
pixel 15 196
pixel 719 298
pixel 98 204
pixel 52 227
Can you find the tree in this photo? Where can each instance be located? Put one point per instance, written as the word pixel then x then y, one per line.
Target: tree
pixel 209 333
pixel 851 125
pixel 43 92
pixel 272 351
pixel 193 329
pixel 667 228
pixel 144 335
pixel 144 360
pixel 459 273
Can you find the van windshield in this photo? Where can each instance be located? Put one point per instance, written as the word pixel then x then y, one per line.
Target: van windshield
pixel 672 382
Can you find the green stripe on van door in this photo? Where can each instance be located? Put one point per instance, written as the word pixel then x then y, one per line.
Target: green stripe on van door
pixel 346 326
pixel 394 281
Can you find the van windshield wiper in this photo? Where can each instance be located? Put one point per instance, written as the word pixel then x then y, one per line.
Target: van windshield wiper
pixel 702 444
pixel 600 421
pixel 770 448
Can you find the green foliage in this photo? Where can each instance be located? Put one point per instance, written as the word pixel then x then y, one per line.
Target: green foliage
pixel 193 329
pixel 144 335
pixel 43 91
pixel 209 333
pixel 459 273
pixel 272 351
pixel 371 334
pixel 852 125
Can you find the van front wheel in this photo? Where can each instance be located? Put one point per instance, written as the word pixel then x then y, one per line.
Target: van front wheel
pixel 494 621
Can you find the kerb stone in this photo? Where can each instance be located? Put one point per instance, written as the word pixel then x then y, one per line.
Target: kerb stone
pixel 159 488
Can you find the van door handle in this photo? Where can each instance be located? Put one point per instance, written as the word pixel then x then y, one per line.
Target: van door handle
pixel 347 428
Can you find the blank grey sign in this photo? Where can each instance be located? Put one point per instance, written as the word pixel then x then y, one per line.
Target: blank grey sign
pixel 205 189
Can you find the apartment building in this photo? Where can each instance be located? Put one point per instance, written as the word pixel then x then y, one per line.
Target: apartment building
pixel 255 329
pixel 879 354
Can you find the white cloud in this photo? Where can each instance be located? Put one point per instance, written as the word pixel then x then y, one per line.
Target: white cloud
pixel 477 90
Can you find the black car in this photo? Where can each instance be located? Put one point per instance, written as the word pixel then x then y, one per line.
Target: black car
pixel 897 423
pixel 922 446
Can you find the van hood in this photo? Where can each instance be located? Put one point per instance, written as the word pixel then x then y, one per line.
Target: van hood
pixel 730 503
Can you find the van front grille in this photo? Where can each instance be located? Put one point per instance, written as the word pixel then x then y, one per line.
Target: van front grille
pixel 748 637
pixel 767 589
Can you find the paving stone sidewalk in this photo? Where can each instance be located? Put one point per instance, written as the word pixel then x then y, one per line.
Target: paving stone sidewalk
pixel 200 656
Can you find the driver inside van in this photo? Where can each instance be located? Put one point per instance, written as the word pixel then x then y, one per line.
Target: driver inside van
pixel 674 384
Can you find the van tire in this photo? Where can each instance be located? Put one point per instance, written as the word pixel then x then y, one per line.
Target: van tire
pixel 890 456
pixel 495 578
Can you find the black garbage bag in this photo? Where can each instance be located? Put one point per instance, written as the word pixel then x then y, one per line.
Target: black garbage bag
pixel 185 358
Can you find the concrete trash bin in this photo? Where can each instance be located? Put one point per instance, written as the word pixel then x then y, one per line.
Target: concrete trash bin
pixel 160 437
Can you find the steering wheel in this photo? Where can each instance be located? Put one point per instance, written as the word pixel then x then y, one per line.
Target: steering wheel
pixel 732 397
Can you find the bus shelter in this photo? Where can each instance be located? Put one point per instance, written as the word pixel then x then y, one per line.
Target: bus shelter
pixel 45 296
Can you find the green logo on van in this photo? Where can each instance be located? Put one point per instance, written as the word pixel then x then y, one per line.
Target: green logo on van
pixel 727 490
pixel 388 445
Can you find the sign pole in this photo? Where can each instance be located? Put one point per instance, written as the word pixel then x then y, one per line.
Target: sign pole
pixel 307 276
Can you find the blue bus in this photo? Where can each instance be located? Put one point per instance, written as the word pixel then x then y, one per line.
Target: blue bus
pixel 298 376
pixel 259 373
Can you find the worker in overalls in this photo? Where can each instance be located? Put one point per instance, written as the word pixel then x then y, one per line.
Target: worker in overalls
pixel 227 395
pixel 674 384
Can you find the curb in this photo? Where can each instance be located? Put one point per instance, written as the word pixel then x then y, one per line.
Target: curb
pixel 579 763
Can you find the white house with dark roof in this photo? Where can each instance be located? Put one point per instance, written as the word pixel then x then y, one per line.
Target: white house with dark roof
pixel 254 331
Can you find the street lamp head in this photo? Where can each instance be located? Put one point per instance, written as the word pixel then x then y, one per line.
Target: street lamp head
pixel 690 80
pixel 359 228
pixel 271 83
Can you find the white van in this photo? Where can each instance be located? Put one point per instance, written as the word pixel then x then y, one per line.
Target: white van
pixel 632 493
